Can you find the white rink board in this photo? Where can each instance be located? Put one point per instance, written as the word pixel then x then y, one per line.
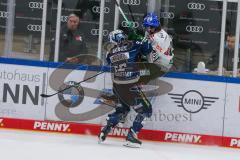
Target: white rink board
pixel 85 112
pixel 17 83
pixel 232 113
pixel 19 80
pixel 170 117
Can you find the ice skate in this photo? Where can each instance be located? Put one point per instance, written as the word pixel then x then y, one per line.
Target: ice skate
pixel 104 132
pixel 132 140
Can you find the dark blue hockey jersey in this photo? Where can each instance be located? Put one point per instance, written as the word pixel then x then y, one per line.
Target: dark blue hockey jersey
pixel 123 57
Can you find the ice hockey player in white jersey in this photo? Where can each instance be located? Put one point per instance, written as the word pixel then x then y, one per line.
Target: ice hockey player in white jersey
pixel 162 53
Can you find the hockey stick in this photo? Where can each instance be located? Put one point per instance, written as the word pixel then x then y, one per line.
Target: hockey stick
pixel 50 95
pixel 122 13
pixel 130 24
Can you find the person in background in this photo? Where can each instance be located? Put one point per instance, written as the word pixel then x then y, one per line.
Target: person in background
pixel 228 58
pixel 72 42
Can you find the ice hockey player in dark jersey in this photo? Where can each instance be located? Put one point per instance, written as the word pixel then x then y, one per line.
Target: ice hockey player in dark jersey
pixel 126 73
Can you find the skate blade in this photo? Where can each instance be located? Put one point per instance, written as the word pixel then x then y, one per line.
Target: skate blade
pixel 132 145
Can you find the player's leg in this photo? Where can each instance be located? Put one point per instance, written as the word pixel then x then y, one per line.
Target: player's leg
pixel 112 120
pixel 144 109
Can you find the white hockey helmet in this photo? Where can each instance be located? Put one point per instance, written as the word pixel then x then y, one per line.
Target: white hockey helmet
pixel 117 36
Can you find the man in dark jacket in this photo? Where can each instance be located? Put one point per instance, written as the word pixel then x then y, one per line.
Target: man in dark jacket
pixel 228 58
pixel 72 42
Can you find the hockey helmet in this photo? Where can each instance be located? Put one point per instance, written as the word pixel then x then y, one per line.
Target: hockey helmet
pixel 151 20
pixel 117 36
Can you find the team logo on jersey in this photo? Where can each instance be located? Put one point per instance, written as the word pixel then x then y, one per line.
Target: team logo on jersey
pixel 192 101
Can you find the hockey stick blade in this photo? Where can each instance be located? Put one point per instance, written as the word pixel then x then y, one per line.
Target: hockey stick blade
pixel 46 95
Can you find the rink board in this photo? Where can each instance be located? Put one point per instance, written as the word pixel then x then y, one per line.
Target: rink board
pixel 197 109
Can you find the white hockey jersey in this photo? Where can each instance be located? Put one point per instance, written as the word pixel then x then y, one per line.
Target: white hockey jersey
pixel 162 49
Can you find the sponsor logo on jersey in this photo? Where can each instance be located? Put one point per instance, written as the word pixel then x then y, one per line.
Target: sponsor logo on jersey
pixel 185 138
pixel 49 126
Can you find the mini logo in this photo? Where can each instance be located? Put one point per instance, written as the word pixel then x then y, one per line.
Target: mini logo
pixel 196 6
pixel 185 138
pixel 125 24
pixel 194 29
pixel 34 28
pixel 96 9
pixel 95 32
pixel 167 15
pixel 3 14
pixel 192 101
pixel 51 126
pixel 35 5
pixel 132 2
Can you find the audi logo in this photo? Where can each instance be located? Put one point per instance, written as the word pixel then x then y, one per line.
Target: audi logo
pixel 64 18
pixel 3 14
pixel 35 5
pixel 96 9
pixel 126 24
pixel 167 15
pixel 95 32
pixel 34 27
pixel 196 6
pixel 132 2
pixel 195 29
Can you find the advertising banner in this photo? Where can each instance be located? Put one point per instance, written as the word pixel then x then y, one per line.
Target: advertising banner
pixel 232 115
pixel 192 106
pixel 20 91
pixel 85 108
pixel 184 110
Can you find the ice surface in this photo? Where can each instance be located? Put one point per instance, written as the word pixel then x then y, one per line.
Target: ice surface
pixel 26 145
